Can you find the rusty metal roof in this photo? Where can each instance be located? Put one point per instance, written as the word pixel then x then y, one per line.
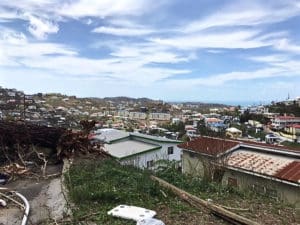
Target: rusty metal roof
pixel 209 145
pixel 291 172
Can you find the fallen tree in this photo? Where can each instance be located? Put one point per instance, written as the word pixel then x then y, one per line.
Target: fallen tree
pixel 197 202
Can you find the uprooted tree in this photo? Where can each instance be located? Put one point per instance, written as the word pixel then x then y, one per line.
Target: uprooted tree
pixel 21 143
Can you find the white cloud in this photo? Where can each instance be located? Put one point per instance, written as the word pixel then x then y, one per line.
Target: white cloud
pixel 230 40
pixel 121 31
pixel 285 45
pixel 40 28
pixel 149 53
pixel 246 14
pixel 15 46
pixel 278 70
pixel 103 8
pixel 270 58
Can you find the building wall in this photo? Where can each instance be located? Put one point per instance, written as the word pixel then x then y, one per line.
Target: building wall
pixel 271 188
pixel 160 116
pixel 137 115
pixel 164 148
pixel 141 160
pixel 191 164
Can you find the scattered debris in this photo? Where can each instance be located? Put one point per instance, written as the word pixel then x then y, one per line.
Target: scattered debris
pixel 3 178
pixel 3 203
pixel 24 147
pixel 24 207
pixel 150 221
pixel 131 212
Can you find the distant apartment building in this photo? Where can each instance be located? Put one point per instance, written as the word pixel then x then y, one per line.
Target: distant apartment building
pixel 160 116
pixel 137 116
pixel 122 113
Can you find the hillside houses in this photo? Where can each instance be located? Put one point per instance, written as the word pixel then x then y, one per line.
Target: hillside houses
pixel 280 122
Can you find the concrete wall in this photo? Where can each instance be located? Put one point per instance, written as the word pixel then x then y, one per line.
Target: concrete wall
pixel 141 160
pixel 156 155
pixel 164 148
pixel 191 164
pixel 272 188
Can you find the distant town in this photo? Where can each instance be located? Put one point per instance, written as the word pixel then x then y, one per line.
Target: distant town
pixel 234 154
pixel 276 123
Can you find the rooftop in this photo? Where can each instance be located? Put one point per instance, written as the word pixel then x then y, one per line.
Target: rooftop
pixel 154 138
pixel 109 135
pixel 262 163
pixel 128 148
pixel 291 172
pixel 209 145
pixel 214 146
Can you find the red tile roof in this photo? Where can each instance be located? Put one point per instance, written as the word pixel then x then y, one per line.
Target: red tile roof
pixel 291 172
pixel 209 145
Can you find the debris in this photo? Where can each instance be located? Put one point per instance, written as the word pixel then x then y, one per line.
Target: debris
pixel 14 169
pixel 131 212
pixel 3 178
pixel 150 221
pixel 24 146
pixel 3 203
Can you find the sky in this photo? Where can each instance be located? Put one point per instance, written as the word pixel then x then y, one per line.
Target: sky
pixel 173 50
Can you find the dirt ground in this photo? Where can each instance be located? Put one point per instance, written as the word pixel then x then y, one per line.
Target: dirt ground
pixel 45 197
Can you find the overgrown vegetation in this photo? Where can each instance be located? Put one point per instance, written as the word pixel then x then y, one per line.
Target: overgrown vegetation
pixel 99 187
pixel 96 188
pixel 291 144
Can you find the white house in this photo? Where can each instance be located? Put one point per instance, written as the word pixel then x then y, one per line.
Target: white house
pixel 138 149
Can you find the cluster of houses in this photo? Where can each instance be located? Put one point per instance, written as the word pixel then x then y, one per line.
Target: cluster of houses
pixel 267 169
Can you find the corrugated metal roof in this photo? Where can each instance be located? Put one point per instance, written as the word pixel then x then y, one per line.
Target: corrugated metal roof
pixel 109 135
pixel 128 148
pixel 290 172
pixel 258 162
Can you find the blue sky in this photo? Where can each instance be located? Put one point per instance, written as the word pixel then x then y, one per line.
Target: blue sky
pixel 206 50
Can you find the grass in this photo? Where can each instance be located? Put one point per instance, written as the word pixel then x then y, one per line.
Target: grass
pixel 99 187
pixel 291 144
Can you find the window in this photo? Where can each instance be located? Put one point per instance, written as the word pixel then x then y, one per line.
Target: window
pixel 150 163
pixel 170 150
